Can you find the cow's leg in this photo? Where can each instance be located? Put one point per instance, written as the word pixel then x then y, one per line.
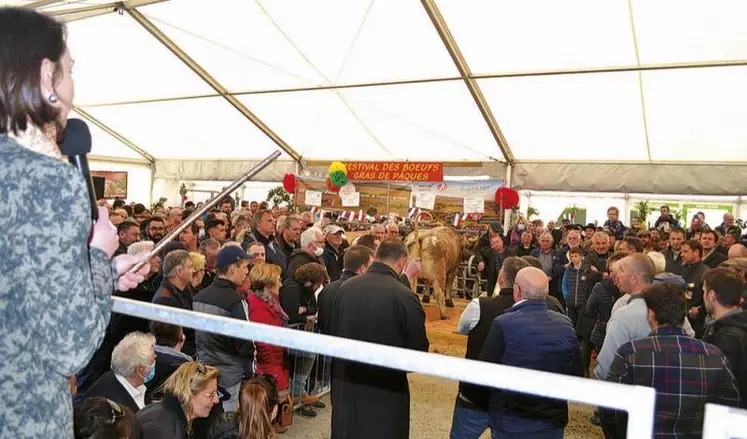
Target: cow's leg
pixel 438 291
pixel 426 292
pixel 448 289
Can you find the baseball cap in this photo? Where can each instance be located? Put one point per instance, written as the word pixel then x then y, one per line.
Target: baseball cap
pixel 230 255
pixel 333 229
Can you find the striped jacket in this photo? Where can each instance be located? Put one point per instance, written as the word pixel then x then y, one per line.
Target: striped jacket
pixel 685 372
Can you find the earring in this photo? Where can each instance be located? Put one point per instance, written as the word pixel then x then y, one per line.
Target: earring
pixel 53 98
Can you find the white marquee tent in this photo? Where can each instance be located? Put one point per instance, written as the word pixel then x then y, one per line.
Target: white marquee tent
pixel 581 95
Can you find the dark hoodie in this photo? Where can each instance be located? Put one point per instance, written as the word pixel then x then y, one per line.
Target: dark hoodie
pixel 729 333
pixel 225 427
pixel 599 306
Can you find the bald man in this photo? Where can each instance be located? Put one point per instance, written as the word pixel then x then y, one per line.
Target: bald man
pixel 737 251
pixel 528 335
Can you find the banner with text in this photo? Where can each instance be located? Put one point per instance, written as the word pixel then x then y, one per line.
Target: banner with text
pixel 395 171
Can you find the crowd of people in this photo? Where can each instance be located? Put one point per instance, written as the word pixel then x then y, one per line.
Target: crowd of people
pixel 661 307
pixel 249 263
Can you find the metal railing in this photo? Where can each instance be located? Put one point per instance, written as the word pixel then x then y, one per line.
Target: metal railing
pixel 638 401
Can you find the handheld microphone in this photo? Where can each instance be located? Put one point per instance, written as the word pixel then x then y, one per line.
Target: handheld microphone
pixel 76 145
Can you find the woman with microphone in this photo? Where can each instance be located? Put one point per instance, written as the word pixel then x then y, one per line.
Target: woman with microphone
pixel 55 286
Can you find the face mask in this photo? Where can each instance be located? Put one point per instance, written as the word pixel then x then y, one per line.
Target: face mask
pixel 521 227
pixel 151 374
pixel 318 251
pixel 201 234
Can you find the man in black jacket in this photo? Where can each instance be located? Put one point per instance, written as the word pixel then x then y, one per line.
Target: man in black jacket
pixel 311 251
pixel 693 270
pixel 490 260
pixel 333 251
pixel 370 401
pixel 263 230
pixel 176 289
pixel 722 288
pixel 710 242
pixel 233 357
pixel 356 262
pixel 672 253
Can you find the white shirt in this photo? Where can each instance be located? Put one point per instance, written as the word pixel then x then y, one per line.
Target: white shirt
pixel 137 393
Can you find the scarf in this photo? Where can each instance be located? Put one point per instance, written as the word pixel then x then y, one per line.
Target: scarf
pixel 274 306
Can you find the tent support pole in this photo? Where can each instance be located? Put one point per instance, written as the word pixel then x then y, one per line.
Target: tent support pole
pixel 87 116
pixel 211 81
pixel 507 214
pixel 456 55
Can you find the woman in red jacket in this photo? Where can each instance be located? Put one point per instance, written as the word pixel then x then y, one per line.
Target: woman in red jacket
pixel 264 307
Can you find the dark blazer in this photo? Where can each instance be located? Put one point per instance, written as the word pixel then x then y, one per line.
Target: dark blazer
pixel 109 387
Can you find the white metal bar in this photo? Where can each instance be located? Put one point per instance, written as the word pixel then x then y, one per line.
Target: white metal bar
pixel 723 422
pixel 638 401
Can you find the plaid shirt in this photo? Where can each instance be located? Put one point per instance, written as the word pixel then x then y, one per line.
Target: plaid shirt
pixel 686 373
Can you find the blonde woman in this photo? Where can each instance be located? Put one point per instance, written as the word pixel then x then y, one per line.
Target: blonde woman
pixel 189 394
pixel 198 262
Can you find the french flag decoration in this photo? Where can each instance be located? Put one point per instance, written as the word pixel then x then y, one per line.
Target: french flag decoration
pixel 360 215
pixel 343 214
pixel 414 211
pixel 458 218
pixel 313 211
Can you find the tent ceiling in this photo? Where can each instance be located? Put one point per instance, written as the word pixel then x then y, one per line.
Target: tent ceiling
pixel 372 79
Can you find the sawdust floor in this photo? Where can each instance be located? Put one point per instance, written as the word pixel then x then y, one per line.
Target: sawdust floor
pixel 432 398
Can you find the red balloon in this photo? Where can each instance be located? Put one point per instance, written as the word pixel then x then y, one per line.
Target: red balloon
pixel 289 183
pixel 507 198
pixel 332 187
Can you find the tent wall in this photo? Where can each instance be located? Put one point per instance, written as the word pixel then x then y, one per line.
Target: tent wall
pixel 138 178
pixel 227 170
pixel 632 178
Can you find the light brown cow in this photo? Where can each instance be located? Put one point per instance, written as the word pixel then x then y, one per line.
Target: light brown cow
pixel 441 253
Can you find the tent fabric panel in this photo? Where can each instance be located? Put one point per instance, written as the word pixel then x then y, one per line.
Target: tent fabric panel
pixel 680 31
pixel 317 124
pixel 117 60
pixel 530 35
pixel 207 128
pixel 697 115
pixel 102 144
pixel 640 178
pixel 577 117
pixel 436 121
pixel 235 42
pixel 176 170
pixel 364 41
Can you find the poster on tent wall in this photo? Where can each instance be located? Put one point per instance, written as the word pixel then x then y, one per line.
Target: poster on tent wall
pixel 115 183
pixel 376 195
pixel 450 195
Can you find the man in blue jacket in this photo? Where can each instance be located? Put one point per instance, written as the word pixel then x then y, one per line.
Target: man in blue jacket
pixel 528 335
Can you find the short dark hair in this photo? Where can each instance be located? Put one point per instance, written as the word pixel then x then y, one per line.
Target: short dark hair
pixel 214 223
pixel 156 218
pixel 27 39
pixel 193 227
pixel 186 213
pixel 117 204
pixel 679 230
pixel 576 251
pixel 664 206
pixel 127 209
pixel 189 204
pixel 716 235
pixel 139 209
pixel 391 250
pixel 667 301
pixel 125 225
pixel 727 283
pixel 367 240
pixel 510 269
pixel 311 272
pixel 356 257
pixel 694 245
pixel 166 334
pixel 634 242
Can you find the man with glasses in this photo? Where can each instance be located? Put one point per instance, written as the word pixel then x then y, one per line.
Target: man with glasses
pixel 133 365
